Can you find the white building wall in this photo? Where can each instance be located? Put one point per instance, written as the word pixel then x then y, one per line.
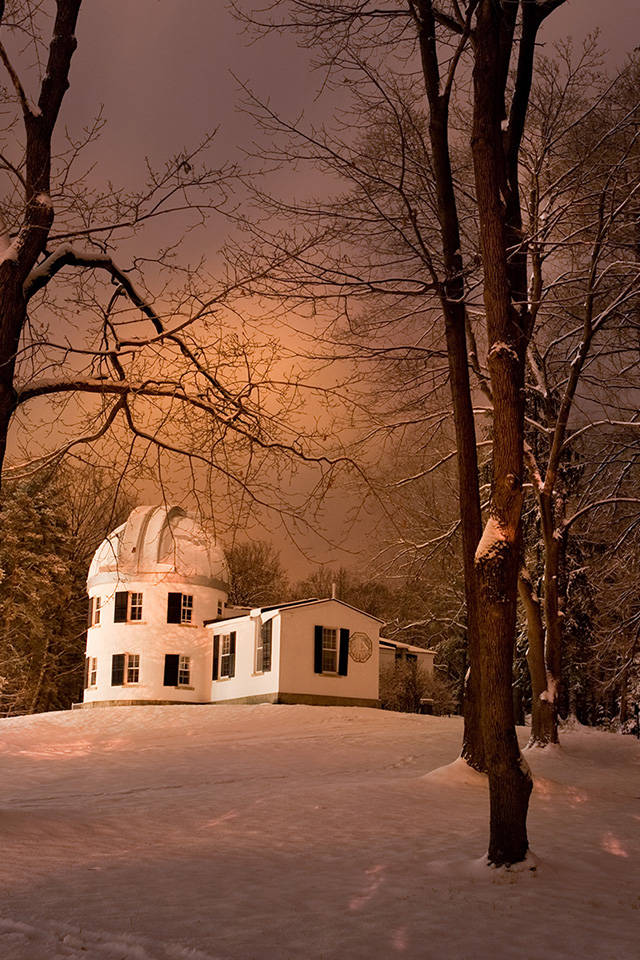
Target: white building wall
pixel 246 683
pixel 152 638
pixel 297 674
pixel 425 658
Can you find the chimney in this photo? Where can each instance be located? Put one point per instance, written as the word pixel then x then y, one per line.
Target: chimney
pixel 333 590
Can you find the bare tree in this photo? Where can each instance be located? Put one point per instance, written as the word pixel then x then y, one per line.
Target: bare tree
pixel 464 49
pixel 581 162
pixel 118 338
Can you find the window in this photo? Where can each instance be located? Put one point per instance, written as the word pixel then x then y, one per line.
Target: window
pixel 180 608
pixel 93 615
pixel 135 606
pixel 90 672
pixel 219 608
pixel 133 668
pixel 177 670
pixel 184 671
pixel 186 610
pixel 125 669
pixel 263 648
pixel 331 650
pixel 128 607
pixel 224 656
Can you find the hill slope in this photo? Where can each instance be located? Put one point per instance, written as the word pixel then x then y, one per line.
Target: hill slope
pixel 166 833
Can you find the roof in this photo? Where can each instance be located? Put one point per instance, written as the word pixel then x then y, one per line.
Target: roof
pixel 159 540
pixel 294 603
pixel 398 644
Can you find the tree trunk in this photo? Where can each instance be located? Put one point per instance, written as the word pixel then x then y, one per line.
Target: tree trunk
pixel 498 554
pixel 542 711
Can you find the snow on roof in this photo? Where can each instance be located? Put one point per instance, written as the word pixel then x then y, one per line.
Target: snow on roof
pixel 158 539
pixel 293 603
pixel 398 644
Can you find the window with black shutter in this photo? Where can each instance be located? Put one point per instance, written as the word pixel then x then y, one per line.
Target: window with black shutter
pixel 117 669
pixel 227 656
pixel 171 667
pixel 331 650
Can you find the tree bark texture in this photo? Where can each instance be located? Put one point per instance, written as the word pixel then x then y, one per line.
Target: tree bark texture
pixel 498 554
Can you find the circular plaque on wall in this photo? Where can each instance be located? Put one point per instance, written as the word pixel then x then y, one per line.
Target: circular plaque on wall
pixel 360 647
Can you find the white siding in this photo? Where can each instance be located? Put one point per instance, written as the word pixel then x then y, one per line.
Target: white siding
pixel 152 638
pixel 297 674
pixel 246 682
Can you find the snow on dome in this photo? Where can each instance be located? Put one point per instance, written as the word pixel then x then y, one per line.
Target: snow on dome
pixel 159 541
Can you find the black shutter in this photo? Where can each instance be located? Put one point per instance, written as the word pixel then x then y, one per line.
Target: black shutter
pixel 216 658
pixel 117 669
pixel 317 650
pixel 90 612
pixel 232 654
pixel 343 659
pixel 120 609
pixel 171 662
pixel 86 672
pixel 266 646
pixel 174 608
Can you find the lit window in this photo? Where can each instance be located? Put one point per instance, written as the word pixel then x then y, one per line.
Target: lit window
pixel 184 671
pixel 133 668
pixel 186 608
pixel 135 606
pixel 93 670
pixel 329 650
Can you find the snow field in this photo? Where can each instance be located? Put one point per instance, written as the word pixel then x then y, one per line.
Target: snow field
pixel 240 832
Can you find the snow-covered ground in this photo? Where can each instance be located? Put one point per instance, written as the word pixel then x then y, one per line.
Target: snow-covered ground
pixel 168 833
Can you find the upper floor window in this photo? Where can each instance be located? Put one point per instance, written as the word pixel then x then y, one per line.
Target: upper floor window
pixel 186 609
pixel 128 607
pixel 135 606
pixel 93 616
pixel 263 648
pixel 180 608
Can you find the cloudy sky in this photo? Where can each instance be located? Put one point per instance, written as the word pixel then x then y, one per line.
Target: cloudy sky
pixel 167 73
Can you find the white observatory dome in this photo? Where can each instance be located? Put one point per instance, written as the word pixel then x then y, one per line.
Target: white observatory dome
pixel 159 542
